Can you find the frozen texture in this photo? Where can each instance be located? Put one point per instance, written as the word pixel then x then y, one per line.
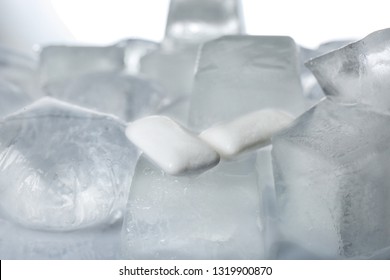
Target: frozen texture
pixel 11 98
pixel 240 74
pixel 210 216
pixel 59 63
pixel 170 146
pixel 357 73
pixel 127 97
pixel 332 181
pixel 135 49
pixel 63 167
pixel 196 21
pixel 250 131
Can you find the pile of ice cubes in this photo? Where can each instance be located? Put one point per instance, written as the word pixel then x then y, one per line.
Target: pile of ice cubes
pixel 222 172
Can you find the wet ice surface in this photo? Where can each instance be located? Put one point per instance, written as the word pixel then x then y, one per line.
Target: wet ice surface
pixel 332 181
pixel 244 73
pixel 127 97
pixel 12 98
pixel 66 167
pixel 196 21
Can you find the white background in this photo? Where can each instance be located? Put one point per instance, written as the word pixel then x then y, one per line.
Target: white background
pixel 27 22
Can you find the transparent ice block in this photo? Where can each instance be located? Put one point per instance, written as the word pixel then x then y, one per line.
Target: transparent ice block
pixel 63 167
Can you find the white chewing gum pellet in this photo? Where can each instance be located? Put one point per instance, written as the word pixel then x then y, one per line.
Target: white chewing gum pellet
pixel 170 146
pixel 253 130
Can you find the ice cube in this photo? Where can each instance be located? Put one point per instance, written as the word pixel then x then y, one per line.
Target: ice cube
pixel 172 147
pixel 332 181
pixel 135 49
pixel 63 167
pixel 239 74
pixel 197 21
pixel 11 98
pixel 211 216
pixel 357 73
pixel 58 63
pixel 128 97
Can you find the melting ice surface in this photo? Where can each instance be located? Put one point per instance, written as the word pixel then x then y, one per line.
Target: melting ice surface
pixel 63 167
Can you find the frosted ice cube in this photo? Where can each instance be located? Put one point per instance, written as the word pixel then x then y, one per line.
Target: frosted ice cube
pixel 63 167
pixel 58 63
pixel 173 70
pixel 88 244
pixel 135 49
pixel 211 216
pixel 196 21
pixel 128 97
pixel 358 72
pixel 332 181
pixel 11 98
pixel 172 147
pixel 239 74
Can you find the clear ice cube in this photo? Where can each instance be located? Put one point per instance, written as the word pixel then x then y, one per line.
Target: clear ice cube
pixel 239 74
pixel 197 21
pixel 63 167
pixel 332 181
pixel 214 215
pixel 127 97
pixel 59 63
pixel 217 214
pixel 357 73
